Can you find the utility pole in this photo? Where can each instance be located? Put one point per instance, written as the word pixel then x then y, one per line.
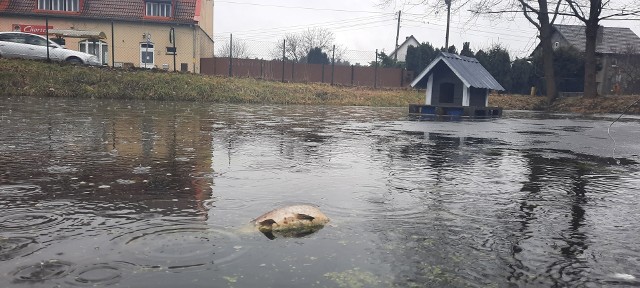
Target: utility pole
pixel 446 42
pixel 395 56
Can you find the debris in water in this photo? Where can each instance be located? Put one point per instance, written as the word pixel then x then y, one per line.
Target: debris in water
pixel 623 276
pixel 291 221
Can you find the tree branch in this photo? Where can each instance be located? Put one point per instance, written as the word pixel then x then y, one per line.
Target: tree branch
pixel 526 15
pixel 555 13
pixel 621 14
pixel 525 4
pixel 578 14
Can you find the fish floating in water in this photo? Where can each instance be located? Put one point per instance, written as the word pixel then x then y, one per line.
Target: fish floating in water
pixel 291 221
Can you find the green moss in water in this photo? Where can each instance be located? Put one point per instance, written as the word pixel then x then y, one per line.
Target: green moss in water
pixel 354 278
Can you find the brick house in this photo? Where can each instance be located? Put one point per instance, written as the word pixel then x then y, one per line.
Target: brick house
pixel 139 33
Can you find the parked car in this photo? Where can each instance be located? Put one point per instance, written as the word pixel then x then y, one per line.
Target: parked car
pixel 32 46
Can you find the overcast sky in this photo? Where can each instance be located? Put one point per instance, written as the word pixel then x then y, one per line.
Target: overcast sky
pixel 362 26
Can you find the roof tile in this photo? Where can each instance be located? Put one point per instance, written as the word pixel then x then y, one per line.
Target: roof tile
pixel 468 69
pixel 611 40
pixel 114 9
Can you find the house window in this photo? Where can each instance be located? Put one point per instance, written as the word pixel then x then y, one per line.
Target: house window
pixel 147 59
pixel 59 5
pixel 98 48
pixel 160 9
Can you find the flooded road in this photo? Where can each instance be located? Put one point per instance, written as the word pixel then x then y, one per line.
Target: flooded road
pixel 160 194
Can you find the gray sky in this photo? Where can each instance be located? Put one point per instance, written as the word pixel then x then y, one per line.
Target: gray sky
pixel 361 26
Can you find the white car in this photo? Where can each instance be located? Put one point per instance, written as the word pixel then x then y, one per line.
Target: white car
pixel 32 46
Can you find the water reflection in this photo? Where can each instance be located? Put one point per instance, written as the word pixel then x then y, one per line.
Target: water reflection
pixel 96 192
pixel 91 170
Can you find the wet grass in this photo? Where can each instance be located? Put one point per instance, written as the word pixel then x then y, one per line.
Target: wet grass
pixel 34 78
pixel 628 104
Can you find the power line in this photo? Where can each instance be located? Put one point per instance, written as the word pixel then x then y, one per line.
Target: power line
pixel 262 33
pixel 459 26
pixel 283 29
pixel 470 29
pixel 301 7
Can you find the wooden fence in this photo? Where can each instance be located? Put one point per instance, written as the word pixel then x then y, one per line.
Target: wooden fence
pixel 276 70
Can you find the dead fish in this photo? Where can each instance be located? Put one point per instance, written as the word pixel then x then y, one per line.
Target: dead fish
pixel 291 221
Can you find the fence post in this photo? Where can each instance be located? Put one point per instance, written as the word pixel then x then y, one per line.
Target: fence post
pixel 262 69
pixel 293 67
pixel 322 73
pixel 284 49
pixel 333 64
pixel 230 55
pixel 113 47
pixel 352 74
pixel 375 74
pixel 213 58
pixel 46 25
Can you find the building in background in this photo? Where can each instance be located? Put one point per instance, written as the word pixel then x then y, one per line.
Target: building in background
pixel 163 34
pixel 617 51
pixel 400 53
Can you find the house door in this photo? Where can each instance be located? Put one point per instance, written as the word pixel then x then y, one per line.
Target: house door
pixel 446 93
pixel 147 55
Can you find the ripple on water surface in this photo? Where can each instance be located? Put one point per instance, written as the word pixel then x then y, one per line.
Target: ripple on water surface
pixel 99 274
pixel 31 220
pixel 19 191
pixel 11 247
pixel 47 220
pixel 177 247
pixel 42 271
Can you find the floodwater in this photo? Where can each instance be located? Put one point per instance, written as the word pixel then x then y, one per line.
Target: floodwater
pixel 160 194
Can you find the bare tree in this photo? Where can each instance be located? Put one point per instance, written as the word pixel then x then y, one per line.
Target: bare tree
pixel 590 12
pixel 238 49
pixel 317 38
pixel 297 46
pixel 627 73
pixel 292 48
pixel 435 6
pixel 538 13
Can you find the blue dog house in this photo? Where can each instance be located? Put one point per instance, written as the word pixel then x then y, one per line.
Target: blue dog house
pixel 456 81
